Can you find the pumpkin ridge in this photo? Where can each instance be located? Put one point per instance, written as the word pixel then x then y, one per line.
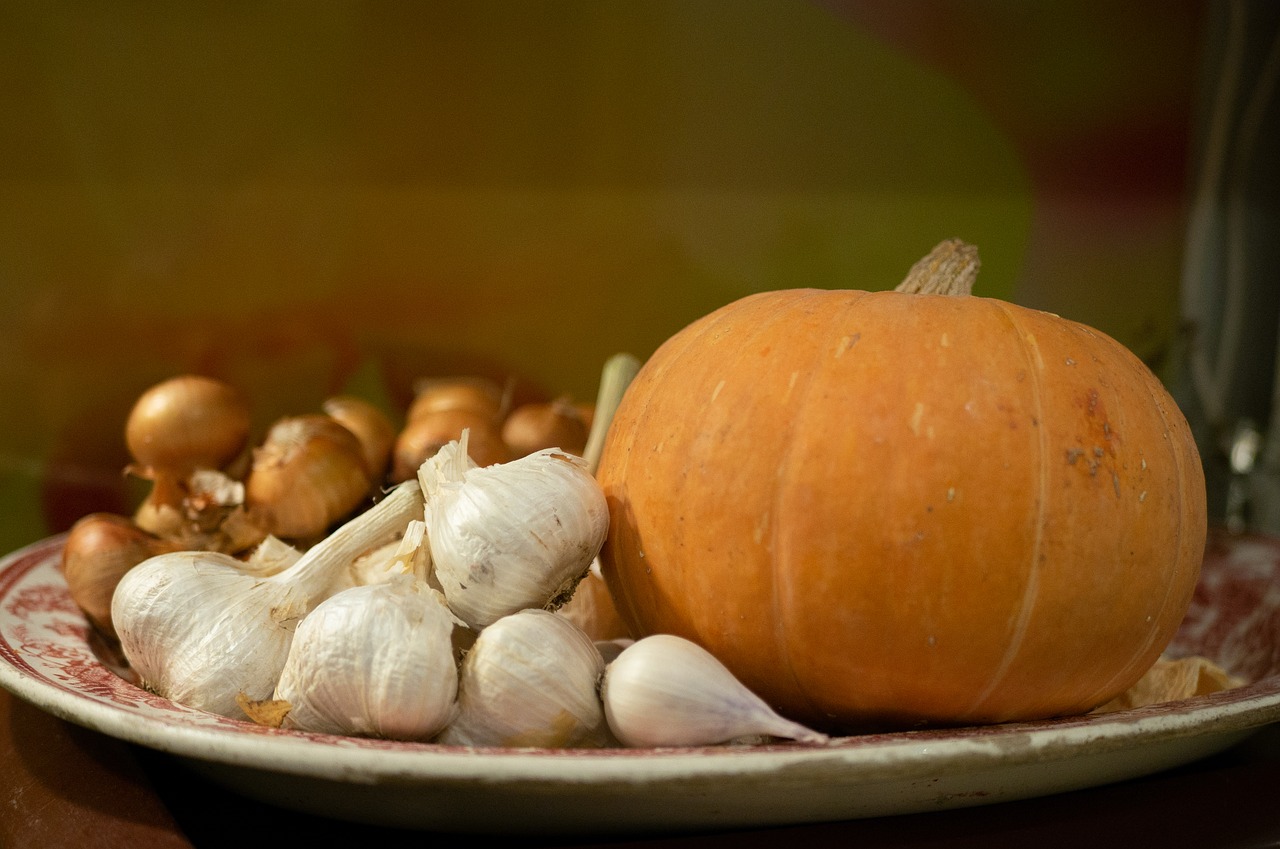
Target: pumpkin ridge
pixel 781 304
pixel 1030 595
pixel 1147 380
pixel 780 566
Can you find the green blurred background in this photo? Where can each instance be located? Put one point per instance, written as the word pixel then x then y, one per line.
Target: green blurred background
pixel 306 199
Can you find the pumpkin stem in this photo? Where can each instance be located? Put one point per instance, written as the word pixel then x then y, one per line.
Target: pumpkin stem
pixel 949 269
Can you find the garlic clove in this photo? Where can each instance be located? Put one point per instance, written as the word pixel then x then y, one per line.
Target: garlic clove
pixel 514 535
pixel 665 690
pixel 308 473
pixel 529 680
pixel 201 630
pixel 374 660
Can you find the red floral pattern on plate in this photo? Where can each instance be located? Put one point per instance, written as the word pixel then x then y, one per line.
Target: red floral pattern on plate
pixel 1234 619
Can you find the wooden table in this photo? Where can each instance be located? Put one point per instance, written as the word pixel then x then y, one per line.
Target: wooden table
pixel 65 787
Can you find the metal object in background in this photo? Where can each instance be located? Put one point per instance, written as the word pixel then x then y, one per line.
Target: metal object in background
pixel 1228 379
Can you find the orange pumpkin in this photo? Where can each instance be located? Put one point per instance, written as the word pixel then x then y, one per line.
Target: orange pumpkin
pixel 905 507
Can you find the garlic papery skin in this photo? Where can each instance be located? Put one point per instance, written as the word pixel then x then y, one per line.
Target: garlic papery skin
pixel 200 629
pixel 514 535
pixel 410 555
pixel 529 680
pixel 271 556
pixel 373 661
pixel 664 690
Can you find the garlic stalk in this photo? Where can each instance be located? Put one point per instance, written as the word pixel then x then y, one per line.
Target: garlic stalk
pixel 529 680
pixel 665 690
pixel 510 536
pixel 200 630
pixel 373 660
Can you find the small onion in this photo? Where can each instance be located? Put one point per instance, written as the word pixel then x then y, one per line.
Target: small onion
pixel 425 435
pixel 370 425
pixel 477 394
pixel 100 548
pixel 545 424
pixel 176 427
pixel 308 473
pixel 185 423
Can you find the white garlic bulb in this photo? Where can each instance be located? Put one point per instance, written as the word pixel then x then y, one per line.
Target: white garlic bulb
pixel 373 660
pixel 529 680
pixel 510 536
pixel 200 630
pixel 664 690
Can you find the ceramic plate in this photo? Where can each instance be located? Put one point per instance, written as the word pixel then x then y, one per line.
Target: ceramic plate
pixel 48 657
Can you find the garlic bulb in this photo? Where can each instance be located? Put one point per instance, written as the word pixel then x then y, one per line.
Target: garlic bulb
pixel 665 690
pixel 511 536
pixel 199 629
pixel 529 680
pixel 374 660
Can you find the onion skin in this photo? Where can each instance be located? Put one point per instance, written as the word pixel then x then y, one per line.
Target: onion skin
pixel 428 432
pixel 477 394
pixel 308 473
pixel 369 425
pixel 100 548
pixel 536 425
pixel 185 423
pixel 888 509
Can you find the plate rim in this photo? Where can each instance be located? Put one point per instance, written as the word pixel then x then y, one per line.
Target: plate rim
pixel 862 758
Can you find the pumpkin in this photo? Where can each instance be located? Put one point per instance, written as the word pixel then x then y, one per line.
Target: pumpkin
pixel 910 507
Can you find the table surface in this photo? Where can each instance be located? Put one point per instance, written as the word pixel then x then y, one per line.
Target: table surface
pixel 63 786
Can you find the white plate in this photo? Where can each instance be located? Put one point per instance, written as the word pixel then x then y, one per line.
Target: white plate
pixel 46 657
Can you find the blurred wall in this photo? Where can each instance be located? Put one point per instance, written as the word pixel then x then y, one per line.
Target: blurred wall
pixel 304 199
